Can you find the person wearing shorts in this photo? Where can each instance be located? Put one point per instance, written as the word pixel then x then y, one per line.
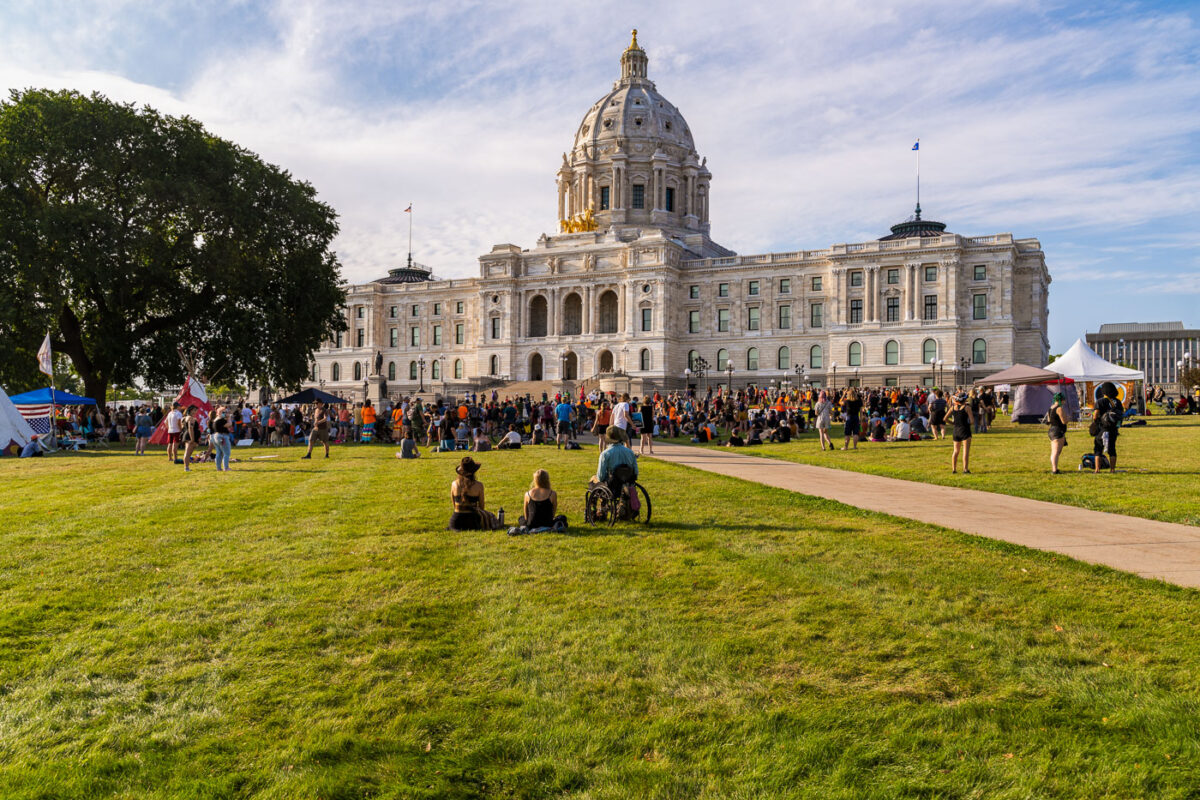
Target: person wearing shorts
pixel 320 430
pixel 174 432
pixel 962 419
pixel 562 413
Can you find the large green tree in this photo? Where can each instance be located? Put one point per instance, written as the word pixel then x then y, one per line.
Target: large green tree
pixel 131 235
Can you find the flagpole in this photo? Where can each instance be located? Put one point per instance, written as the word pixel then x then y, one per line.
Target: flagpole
pixel 410 216
pixel 918 177
pixel 53 392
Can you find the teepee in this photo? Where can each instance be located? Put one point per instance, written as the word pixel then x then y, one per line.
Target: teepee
pixel 15 432
pixel 193 393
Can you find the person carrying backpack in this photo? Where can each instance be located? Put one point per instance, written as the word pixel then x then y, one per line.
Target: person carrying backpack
pixel 1106 425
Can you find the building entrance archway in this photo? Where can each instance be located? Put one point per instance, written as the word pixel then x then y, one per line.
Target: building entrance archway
pixel 571 367
pixel 535 367
pixel 604 361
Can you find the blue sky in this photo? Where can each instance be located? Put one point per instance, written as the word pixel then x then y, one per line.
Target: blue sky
pixel 1078 124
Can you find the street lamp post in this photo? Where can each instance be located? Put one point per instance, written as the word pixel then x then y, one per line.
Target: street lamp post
pixel 964 364
pixel 933 370
pixel 941 372
pixel 701 369
pixel 687 378
pixel 833 381
pixel 421 373
pixel 729 376
pixel 442 370
pixel 857 382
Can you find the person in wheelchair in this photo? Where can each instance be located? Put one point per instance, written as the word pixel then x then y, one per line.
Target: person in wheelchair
pixel 618 464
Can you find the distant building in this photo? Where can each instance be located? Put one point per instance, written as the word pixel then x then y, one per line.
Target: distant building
pixel 633 292
pixel 1156 348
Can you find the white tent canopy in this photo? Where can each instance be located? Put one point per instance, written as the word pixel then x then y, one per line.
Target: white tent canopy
pixel 1081 363
pixel 13 427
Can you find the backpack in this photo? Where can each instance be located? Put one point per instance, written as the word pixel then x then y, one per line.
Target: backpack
pixel 1089 462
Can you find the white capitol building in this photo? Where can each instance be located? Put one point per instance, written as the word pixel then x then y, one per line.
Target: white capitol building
pixel 634 292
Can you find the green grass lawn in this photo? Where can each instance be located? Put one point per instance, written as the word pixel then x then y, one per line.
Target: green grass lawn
pixel 1157 465
pixel 308 629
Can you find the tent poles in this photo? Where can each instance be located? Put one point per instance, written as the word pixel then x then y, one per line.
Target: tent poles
pixel 53 413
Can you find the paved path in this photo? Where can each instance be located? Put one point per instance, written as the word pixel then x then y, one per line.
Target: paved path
pixel 1152 549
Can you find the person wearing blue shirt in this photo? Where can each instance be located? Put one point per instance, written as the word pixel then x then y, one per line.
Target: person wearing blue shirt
pixel 617 454
pixel 33 449
pixel 563 413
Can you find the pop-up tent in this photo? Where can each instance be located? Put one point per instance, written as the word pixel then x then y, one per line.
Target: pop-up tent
pixel 35 406
pixel 192 394
pixel 15 432
pixel 1033 391
pixel 311 396
pixel 1082 364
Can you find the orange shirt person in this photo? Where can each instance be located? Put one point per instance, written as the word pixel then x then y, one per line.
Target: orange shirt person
pixel 368 413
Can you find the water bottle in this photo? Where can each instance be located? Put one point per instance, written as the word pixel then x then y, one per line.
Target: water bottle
pixel 500 516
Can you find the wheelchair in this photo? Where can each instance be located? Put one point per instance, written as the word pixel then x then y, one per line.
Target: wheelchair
pixel 609 502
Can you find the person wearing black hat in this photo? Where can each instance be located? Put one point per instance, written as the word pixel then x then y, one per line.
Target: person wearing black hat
pixel 466 496
pixel 1056 418
pixel 961 420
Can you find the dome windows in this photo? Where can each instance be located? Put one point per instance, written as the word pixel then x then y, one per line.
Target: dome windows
pixel 637 121
pixel 667 124
pixel 608 123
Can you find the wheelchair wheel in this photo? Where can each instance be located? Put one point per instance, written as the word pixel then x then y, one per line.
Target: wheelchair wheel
pixel 599 507
pixel 643 513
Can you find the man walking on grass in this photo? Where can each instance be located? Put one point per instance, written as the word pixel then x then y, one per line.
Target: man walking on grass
pixel 320 430
pixel 563 413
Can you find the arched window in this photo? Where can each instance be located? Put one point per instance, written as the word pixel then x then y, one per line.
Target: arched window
pixel 391 370
pixel 752 358
pixel 815 360
pixel 722 359
pixel 357 371
pixel 537 316
pixel 692 356
pixel 435 370
pixel 891 352
pixel 855 354
pixel 979 352
pixel 458 369
pixel 606 319
pixel 336 372
pixel 929 351
pixel 783 360
pixel 316 373
pixel 572 315
pixel 645 359
pixel 494 365
pixel 412 370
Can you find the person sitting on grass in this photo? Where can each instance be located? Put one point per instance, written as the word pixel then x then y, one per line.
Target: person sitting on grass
pixel 32 448
pixel 540 508
pixel 510 440
pixel 446 445
pixel 735 439
pixel 482 443
pixel 466 498
pixel 408 445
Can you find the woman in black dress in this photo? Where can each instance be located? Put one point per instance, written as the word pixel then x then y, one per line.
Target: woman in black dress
pixel 852 410
pixel 191 436
pixel 1057 419
pixel 961 419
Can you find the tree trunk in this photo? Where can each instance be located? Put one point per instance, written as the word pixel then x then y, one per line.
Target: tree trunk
pixel 95 377
pixel 95 386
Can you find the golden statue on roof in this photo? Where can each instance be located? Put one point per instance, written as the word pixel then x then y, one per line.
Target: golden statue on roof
pixel 633 45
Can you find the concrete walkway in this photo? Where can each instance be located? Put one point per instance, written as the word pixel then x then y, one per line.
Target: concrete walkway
pixel 1152 549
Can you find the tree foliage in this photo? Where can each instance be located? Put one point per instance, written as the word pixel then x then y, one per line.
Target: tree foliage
pixel 131 235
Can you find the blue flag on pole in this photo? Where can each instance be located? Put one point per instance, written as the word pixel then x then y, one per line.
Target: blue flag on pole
pixel 917 146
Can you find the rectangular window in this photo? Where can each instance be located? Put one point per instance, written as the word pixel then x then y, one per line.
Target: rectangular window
pixel 930 274
pixel 816 315
pixel 752 319
pixel 416 311
pixel 339 338
pixel 891 382
pixel 360 337
pixel 893 309
pixel 394 337
pixel 722 290
pixel 437 334
pixel 392 312
pixel 981 272
pixel 414 336
pixel 753 287
pixel 856 278
pixel 693 322
pixel 437 309
pixel 458 333
pixel 495 328
pixel 723 320
pixel 931 306
pixel 669 202
pixel 893 276
pixel 816 283
pixel 604 198
pixel 647 319
pixel 458 307
pixel 785 285
pixel 360 312
pixel 639 196
pixel 856 311
pixel 694 292
pixel 979 304
pixel 785 317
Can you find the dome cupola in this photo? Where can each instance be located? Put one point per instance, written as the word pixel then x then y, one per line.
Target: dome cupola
pixel 633 160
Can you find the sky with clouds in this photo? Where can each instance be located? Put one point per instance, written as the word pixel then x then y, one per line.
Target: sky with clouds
pixel 1076 123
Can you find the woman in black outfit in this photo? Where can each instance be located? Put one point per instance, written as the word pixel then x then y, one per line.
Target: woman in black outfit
pixel 541 507
pixel 851 410
pixel 1058 430
pixel 191 436
pixel 962 419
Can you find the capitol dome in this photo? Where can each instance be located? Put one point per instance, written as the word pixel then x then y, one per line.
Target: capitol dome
pixel 634 159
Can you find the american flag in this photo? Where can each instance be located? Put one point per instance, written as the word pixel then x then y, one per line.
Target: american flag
pixel 37 415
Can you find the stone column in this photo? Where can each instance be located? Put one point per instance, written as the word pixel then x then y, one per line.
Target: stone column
pixel 586 320
pixel 909 272
pixel 561 200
